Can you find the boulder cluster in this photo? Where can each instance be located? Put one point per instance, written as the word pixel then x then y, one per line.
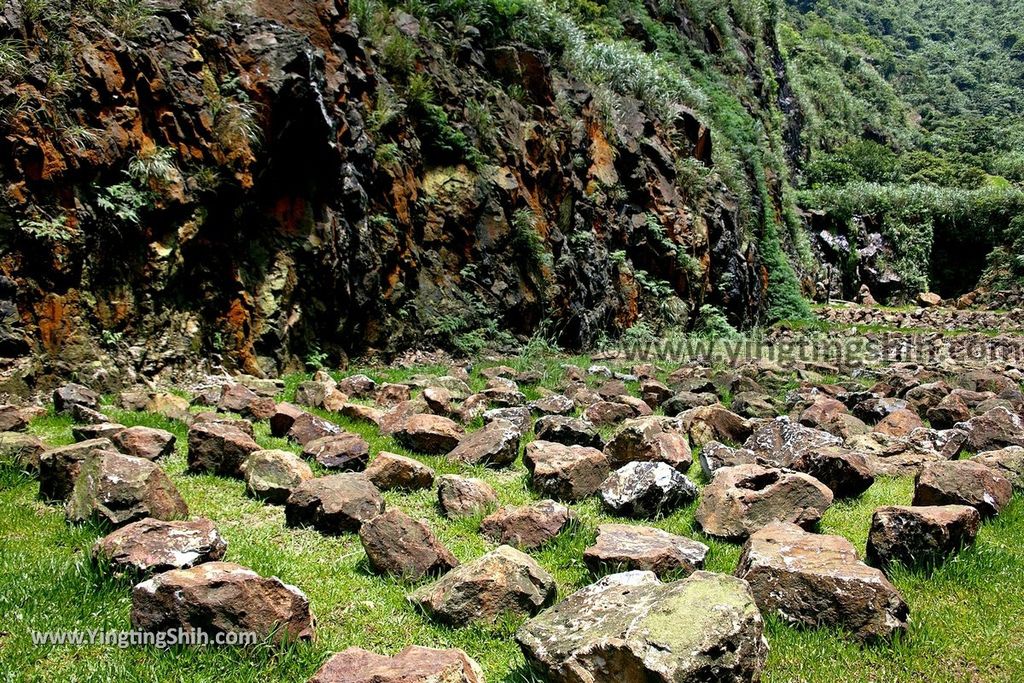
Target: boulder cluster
pixel 766 468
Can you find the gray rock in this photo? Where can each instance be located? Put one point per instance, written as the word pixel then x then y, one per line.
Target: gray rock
pixel 646 489
pixel 632 627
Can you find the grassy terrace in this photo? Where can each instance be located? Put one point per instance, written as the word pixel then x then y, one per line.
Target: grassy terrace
pixel 967 616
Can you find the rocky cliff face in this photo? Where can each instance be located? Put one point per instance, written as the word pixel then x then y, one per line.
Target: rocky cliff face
pixel 260 182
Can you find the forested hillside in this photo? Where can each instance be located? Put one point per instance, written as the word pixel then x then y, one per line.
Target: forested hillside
pixel 924 98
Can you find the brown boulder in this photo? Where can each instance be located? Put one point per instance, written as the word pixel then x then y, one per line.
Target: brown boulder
pixel 715 423
pixel 334 504
pixel 626 547
pixel 398 545
pixel 899 423
pixel 116 489
pixel 22 450
pixel 650 439
pixel 815 580
pixel 345 452
pixel 495 445
pixel 390 471
pixel 144 442
pixel 995 429
pixel 847 473
pixel 604 413
pixel 920 535
pixel 219 448
pixel 742 499
pixel 221 597
pixel 151 546
pixel 308 427
pixel 283 418
pixel 465 496
pixel 565 472
pixel 272 475
pixel 529 526
pixel 1009 462
pixel 504 582
pixel 963 482
pixel 430 434
pixel 70 394
pixel 414 664
pixel 58 467
pixel 12 419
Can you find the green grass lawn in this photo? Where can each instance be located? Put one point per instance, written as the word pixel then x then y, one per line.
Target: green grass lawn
pixel 967 616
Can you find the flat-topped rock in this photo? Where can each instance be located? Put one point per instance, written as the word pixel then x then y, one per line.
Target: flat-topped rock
pixel 631 627
pixel 22 450
pixel 603 413
pixel 334 504
pixel 571 431
pixel 520 416
pixel 219 448
pixel 414 664
pixel 646 489
pixel 529 526
pixel 145 442
pixel 96 430
pixel 308 427
pixel 151 546
pixel 345 452
pixel 714 456
pixel 116 489
pixel 920 535
pixel 272 475
pixel 430 434
pixel 650 439
pixel 625 547
pixel 221 597
pixel 742 499
pixel 963 482
pixel 553 404
pixel 502 582
pixel 781 441
pixel 715 423
pixel 495 445
pixel 464 496
pixel 565 472
pixel 70 394
pixel 814 580
pixel 390 471
pixel 398 545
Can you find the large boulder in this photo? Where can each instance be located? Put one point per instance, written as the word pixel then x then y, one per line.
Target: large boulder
pixel 646 489
pixel 565 472
pixel 995 429
pixel 571 431
pixel 503 582
pixel 714 456
pixel 71 394
pixel 151 546
pixel 430 434
pixel 715 423
pixel 58 467
pixel 495 445
pixel 847 473
pixel 334 504
pixel 781 441
pixel 221 597
pixel 1008 461
pixel 465 496
pixel 742 499
pixel 414 664
pixel 307 427
pixel 144 442
pixel 116 489
pixel 520 417
pixel 650 439
pixel 899 422
pixel 398 545
pixel 390 471
pixel 345 452
pixel 920 535
pixel 963 482
pixel 284 418
pixel 529 526
pixel 219 448
pixel 624 547
pixel 816 580
pixel 272 475
pixel 12 419
pixel 631 627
